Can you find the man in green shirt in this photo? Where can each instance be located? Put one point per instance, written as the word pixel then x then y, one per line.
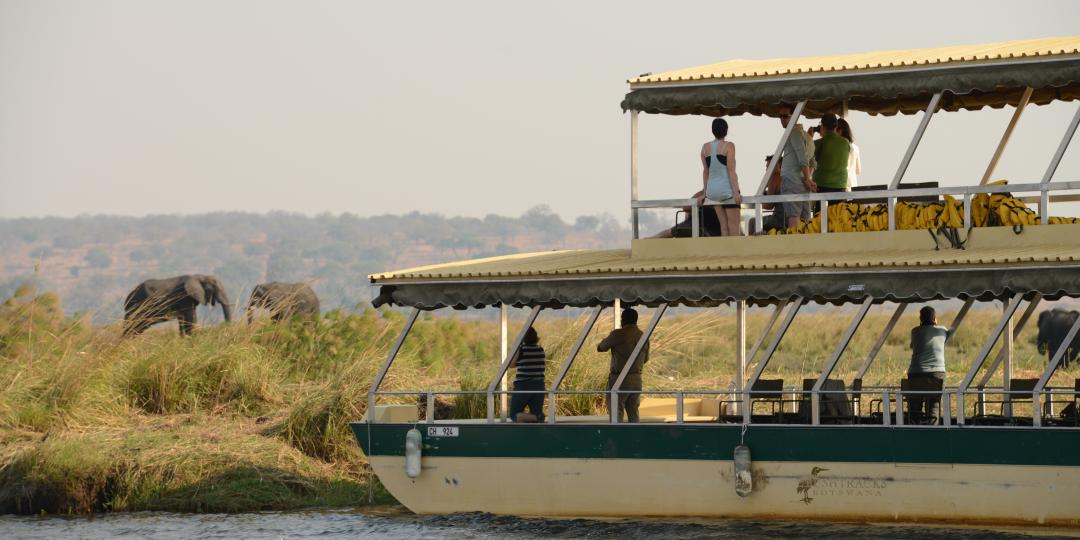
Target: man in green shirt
pixel 831 153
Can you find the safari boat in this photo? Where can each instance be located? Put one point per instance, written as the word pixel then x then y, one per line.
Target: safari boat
pixel 841 450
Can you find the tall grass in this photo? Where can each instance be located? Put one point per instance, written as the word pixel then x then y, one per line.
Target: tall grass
pixel 248 417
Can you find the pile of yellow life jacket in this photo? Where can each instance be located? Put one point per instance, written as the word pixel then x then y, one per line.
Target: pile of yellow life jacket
pixel 987 210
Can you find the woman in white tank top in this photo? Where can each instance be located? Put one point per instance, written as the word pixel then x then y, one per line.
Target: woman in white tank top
pixel 719 179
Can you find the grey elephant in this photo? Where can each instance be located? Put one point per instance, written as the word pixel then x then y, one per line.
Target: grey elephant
pixel 159 300
pixel 283 300
pixel 1054 324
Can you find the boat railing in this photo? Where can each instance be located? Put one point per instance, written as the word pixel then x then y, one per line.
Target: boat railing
pixel 891 196
pixel 884 405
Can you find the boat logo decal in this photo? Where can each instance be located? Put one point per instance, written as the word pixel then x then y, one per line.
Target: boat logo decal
pixel 807 483
pixel 814 485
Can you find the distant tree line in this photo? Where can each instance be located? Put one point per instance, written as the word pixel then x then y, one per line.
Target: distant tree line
pixel 92 261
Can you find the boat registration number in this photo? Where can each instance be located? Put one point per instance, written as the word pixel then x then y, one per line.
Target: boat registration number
pixel 442 431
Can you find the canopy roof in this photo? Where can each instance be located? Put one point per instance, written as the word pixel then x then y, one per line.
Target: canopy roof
pixel 896 265
pixel 972 77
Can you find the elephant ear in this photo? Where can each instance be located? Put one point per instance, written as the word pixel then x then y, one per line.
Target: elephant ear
pixel 194 289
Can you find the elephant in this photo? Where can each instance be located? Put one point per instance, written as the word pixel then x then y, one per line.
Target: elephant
pixel 283 300
pixel 1054 324
pixel 159 300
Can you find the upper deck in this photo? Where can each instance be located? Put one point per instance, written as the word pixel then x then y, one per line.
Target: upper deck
pixel 961 245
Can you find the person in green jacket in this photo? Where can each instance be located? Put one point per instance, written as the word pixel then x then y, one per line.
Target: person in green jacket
pixel 831 153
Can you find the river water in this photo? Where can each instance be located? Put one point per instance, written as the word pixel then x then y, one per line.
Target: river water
pixel 394 523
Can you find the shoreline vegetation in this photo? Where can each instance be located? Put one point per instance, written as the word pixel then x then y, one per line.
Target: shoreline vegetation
pixel 255 417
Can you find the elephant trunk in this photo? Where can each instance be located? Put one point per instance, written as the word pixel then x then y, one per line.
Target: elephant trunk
pixel 226 309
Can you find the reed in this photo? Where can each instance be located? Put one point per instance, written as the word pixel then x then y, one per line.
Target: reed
pixel 250 417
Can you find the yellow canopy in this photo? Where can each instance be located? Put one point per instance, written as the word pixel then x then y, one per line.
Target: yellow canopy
pixel 972 76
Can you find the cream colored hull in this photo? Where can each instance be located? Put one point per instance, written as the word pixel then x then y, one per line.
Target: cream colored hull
pixel 985 494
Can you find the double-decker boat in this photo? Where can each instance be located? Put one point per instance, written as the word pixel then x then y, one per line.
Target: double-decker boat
pixel 849 451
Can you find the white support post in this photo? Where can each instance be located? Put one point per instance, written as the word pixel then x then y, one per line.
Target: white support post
pixel 389 361
pixel 815 393
pixel 1017 328
pixel 881 340
pixel 795 114
pixel 614 391
pixel 617 306
pixel 777 309
pixel 1006 365
pixel 634 171
pixel 565 367
pixel 891 209
pixel 1024 98
pixel 824 217
pixel 946 408
pixel 1010 309
pixel 505 365
pixel 503 337
pixel 899 408
pixel 695 212
pixel 1064 145
pixel 797 304
pixel 740 348
pixel 930 110
pixel 967 211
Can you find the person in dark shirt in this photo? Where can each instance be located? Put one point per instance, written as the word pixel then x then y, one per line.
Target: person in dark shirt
pixel 530 362
pixel 621 343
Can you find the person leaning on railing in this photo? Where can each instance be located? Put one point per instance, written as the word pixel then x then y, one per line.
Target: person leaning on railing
pixel 621 342
pixel 530 361
pixel 797 164
pixel 927 360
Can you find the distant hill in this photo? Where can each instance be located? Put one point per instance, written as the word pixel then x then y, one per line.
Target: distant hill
pixel 93 261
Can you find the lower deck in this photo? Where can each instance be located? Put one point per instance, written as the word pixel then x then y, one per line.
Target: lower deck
pixel 964 474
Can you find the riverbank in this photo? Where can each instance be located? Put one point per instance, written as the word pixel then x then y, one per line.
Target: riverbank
pixel 242 418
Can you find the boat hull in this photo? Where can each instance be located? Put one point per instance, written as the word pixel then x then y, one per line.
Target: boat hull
pixel 991 476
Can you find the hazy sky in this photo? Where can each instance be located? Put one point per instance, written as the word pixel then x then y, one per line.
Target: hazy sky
pixel 462 108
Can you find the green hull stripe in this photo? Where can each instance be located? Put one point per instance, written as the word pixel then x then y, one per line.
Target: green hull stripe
pixel 881 444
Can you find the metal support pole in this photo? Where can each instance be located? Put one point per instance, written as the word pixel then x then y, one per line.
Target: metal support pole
pixel 946 408
pixel 815 396
pixel 899 408
pixel 1005 136
pixel 1019 327
pixel 1064 145
pixel 824 217
pixel 765 331
pixel 503 337
pixel 891 209
pixel 798 303
pixel 695 212
pixel 881 340
pixel 614 403
pixel 634 171
pixel 505 365
pixel 617 306
pixel 1010 309
pixel 1006 365
pixel 565 367
pixel 967 211
pixel 930 110
pixel 795 114
pixel 1036 395
pixel 959 318
pixel 389 361
pixel 740 347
